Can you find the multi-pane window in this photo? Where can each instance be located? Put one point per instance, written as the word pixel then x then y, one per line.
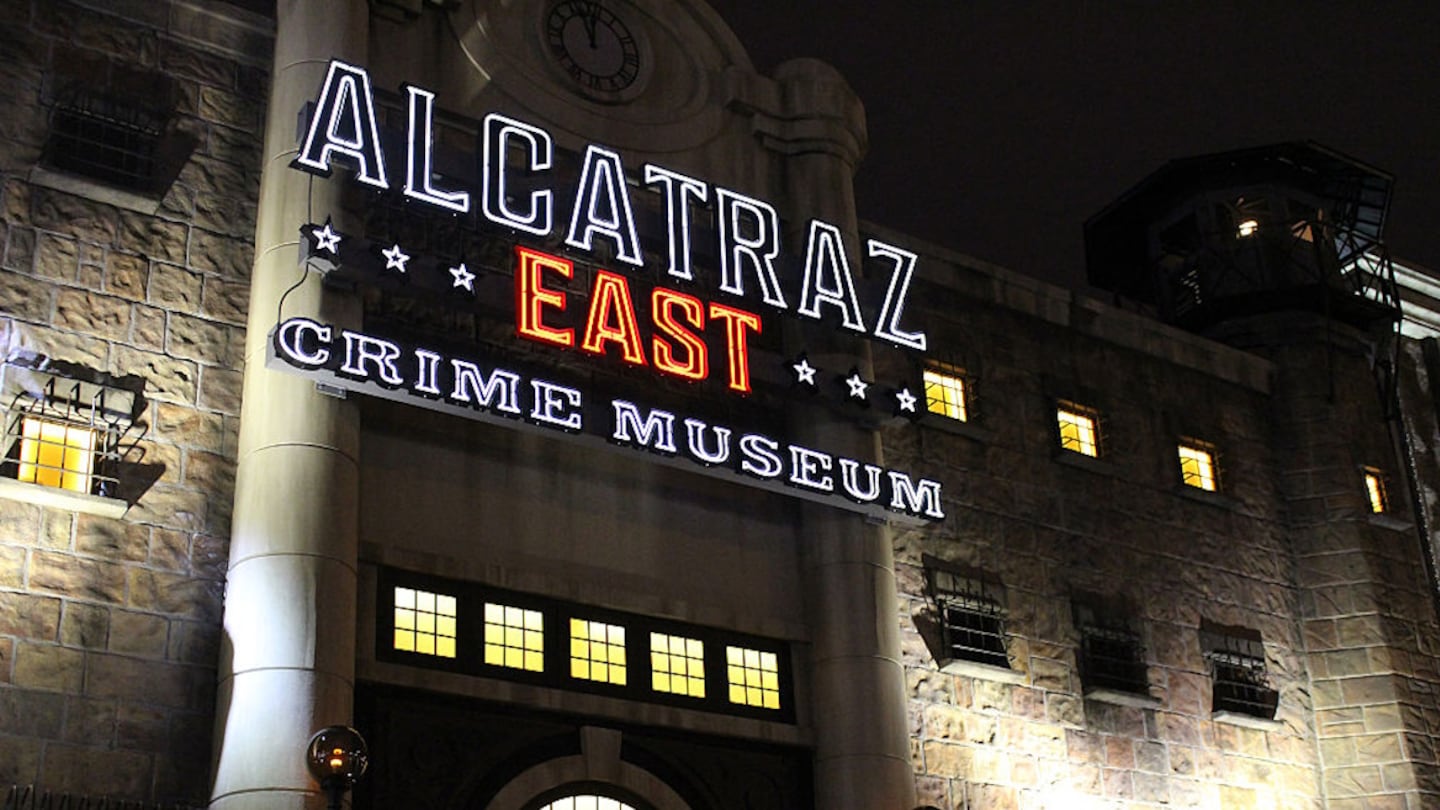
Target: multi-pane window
pixel 56 454
pixel 971 611
pixel 1078 429
pixel 1237 671
pixel 677 665
pixel 1197 465
pixel 514 637
pixel 587 802
pixel 754 677
pixel 597 651
pixel 945 392
pixel 424 622
pixel 1375 491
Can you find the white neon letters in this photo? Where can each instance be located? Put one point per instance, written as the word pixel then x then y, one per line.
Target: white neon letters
pixel 500 133
pixel 677 188
pixel 749 237
pixel 827 277
pixel 343 123
pixel 887 326
pixel 602 207
pixel 419 155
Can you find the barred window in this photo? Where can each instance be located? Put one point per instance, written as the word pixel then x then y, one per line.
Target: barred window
pixel 1375 493
pixel 425 622
pixel 677 665
pixel 1079 428
pixel 946 392
pixel 64 433
pixel 971 610
pixel 1237 671
pixel 597 651
pixel 1112 656
pixel 754 677
pixel 514 637
pixel 1197 465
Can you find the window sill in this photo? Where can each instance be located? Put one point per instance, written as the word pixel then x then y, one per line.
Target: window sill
pixel 1080 461
pixel 1118 698
pixel 1390 522
pixel 955 426
pixel 1246 720
pixel 94 190
pixel 54 498
pixel 1207 496
pixel 984 672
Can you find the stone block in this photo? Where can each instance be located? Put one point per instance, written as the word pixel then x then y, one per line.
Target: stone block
pixel 210 556
pixel 166 378
pixel 153 237
pixel 83 769
pixel 12 567
pixel 126 276
pixel 205 341
pixel 942 722
pixel 1368 689
pixel 56 257
pixel 225 300
pixel 26 298
pixel 57 530
pixel 29 616
pixel 1338 751
pixel 147 328
pixel 139 634
pixel 86 220
pixel 1353 781
pixel 1151 787
pixel 206 68
pixel 142 728
pixel 90 722
pixel 1375 749
pixel 230 109
pixel 174 288
pixel 946 759
pixel 84 625
pixel 20 250
pixel 220 389
pixel 169 550
pixel 189 427
pixel 111 538
pixel 194 643
pixel 175 594
pixel 77 577
pixel 1066 710
pixel 7 658
pixel 48 667
pixel 223 255
pixel 173 508
pixel 19 522
pixel 1151 757
pixel 26 712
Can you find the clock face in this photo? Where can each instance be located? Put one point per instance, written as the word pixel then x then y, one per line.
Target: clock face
pixel 593 45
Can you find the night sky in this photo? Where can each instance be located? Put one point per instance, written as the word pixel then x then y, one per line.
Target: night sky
pixel 998 128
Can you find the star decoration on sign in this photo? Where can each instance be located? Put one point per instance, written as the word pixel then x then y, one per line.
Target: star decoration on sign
pixel 857 386
pixel 326 238
pixel 905 400
pixel 463 278
pixel 395 258
pixel 804 372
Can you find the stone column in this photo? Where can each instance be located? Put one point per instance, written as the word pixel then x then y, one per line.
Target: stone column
pixel 288 655
pixel 862 751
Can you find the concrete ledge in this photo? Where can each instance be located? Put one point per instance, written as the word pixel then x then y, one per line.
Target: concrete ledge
pixel 984 672
pixel 94 190
pixel 1080 461
pixel 1118 698
pixel 54 498
pixel 1390 522
pixel 1247 721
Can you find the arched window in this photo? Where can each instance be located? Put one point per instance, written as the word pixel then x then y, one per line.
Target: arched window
pixel 587 801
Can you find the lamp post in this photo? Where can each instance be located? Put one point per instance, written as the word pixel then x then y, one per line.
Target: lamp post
pixel 337 758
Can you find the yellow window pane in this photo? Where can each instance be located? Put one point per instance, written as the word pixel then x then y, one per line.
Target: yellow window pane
pixel 56 455
pixel 404 619
pixel 424 600
pixel 579 629
pixel 617 675
pixel 494 634
pixel 404 640
pixel 494 614
pixel 445 647
pixel 425 622
pixel 694 648
pixel 533 620
pixel 660 682
pixel 514 657
pixel 445 626
pixel 1077 432
pixel 697 688
pixel 494 655
pixel 737 694
pixel 535 662
pixel 945 394
pixel 445 605
pixel 772 700
pixel 1375 491
pixel 579 668
pixel 404 598
pixel 424 644
pixel 734 656
pixel 1197 467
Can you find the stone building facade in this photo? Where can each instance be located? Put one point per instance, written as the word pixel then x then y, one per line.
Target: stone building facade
pixel 520 603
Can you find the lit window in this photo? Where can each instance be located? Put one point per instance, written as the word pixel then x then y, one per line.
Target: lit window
pixel 1375 492
pixel 514 638
pixel 424 623
pixel 1077 429
pixel 754 677
pixel 597 651
pixel 945 392
pixel 587 802
pixel 1197 466
pixel 677 665
pixel 1246 228
pixel 56 454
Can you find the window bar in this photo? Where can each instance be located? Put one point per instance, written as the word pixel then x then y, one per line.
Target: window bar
pixel 61 440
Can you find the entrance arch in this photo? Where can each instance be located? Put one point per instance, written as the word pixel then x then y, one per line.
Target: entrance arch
pixel 571 782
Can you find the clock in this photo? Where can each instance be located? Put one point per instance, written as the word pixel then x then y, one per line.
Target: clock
pixel 593 45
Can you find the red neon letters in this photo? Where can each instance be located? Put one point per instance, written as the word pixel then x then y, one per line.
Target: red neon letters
pixel 677 344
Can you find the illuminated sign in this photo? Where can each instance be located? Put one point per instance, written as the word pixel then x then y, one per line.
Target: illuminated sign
pixel 668 328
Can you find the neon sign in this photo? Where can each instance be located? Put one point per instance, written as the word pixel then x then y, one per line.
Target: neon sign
pixel 673 332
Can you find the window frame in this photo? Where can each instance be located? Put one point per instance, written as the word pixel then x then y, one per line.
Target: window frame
pixel 1212 455
pixel 959 592
pixel 948 372
pixel 1097 434
pixel 1239 673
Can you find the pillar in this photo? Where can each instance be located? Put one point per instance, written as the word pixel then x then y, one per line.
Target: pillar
pixel 288 655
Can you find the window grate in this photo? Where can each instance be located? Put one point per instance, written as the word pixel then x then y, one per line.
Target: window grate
pixel 1237 671
pixel 972 614
pixel 1113 659
pixel 66 434
pixel 105 139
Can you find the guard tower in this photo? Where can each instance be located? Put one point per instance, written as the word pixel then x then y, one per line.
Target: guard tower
pixel 1294 226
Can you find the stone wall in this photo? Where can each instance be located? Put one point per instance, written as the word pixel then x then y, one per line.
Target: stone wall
pixel 110 628
pixel 1050 528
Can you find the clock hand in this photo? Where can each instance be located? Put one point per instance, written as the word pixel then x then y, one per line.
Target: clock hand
pixel 591 17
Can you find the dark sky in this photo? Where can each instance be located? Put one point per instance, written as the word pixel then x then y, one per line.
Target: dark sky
pixel 998 128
